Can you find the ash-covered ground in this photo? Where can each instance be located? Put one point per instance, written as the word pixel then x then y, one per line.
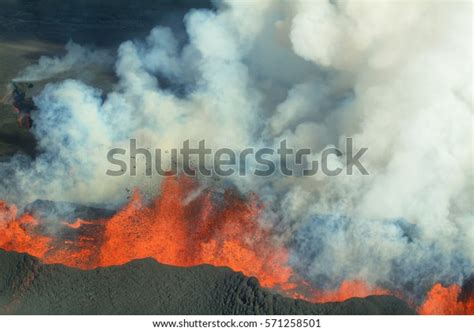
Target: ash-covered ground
pixel 147 287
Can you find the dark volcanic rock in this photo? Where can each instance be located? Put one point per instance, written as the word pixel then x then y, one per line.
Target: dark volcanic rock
pixel 147 287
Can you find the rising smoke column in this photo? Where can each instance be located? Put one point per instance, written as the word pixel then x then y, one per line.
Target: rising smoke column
pixel 311 72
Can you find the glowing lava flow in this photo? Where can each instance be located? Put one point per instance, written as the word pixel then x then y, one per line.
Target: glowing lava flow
pixel 173 230
pixel 186 233
pixel 442 300
pixel 180 231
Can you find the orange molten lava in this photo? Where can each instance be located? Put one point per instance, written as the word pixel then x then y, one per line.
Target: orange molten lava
pixel 184 226
pixel 18 234
pixel 445 301
pixel 180 228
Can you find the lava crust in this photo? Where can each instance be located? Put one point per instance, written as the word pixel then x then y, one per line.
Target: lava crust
pixel 147 287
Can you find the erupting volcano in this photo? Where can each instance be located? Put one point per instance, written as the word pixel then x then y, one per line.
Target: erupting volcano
pixel 333 174
pixel 186 226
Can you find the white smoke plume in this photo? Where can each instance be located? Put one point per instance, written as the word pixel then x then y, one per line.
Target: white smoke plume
pixel 395 76
pixel 76 58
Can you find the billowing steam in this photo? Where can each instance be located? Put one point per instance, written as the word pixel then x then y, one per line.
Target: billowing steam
pixel 395 76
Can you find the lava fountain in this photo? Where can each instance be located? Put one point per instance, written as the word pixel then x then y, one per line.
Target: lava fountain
pixel 180 231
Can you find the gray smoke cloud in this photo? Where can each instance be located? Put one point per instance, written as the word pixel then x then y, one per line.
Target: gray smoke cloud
pixel 395 76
